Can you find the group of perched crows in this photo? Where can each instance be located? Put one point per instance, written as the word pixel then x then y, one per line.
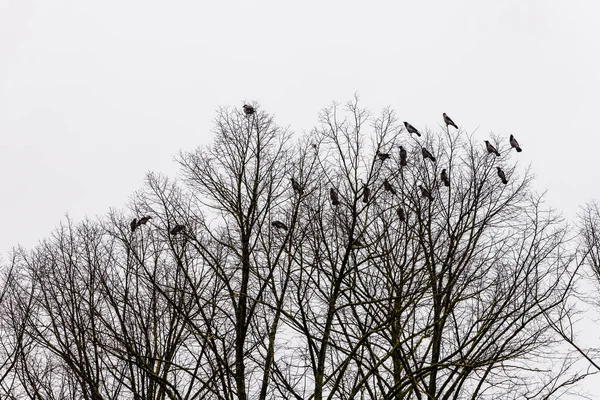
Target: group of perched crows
pixel 333 195
pixel 136 223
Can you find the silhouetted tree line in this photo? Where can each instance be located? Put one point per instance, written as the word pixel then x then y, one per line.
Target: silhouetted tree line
pixel 364 260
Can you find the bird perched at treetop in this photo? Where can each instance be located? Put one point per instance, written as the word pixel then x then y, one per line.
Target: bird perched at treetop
pixel 333 196
pixel 411 129
pixel 515 144
pixel 427 154
pixel 491 149
pixel 403 156
pixel 248 110
pixel 502 175
pixel 449 121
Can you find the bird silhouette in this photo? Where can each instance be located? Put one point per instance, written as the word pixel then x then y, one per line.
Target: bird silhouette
pixel 334 197
pixel 133 224
pixel 426 193
pixel 502 175
pixel 515 144
pixel 388 187
pixel 366 194
pixel 491 149
pixel 143 220
pixel 403 156
pixel 401 214
pixel 279 225
pixel 296 186
pixel 411 129
pixel 177 229
pixel 445 178
pixel 248 110
pixel 449 121
pixel 383 156
pixel 427 154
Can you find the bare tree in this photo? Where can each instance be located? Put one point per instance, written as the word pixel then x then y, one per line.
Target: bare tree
pixel 333 267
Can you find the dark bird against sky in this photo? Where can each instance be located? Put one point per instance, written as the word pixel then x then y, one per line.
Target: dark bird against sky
pixel 411 129
pixel 491 149
pixel 502 175
pixel 445 179
pixel 427 154
pixel 248 110
pixel 515 144
pixel 334 197
pixel 449 121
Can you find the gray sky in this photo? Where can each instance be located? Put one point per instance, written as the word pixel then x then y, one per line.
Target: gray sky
pixel 93 94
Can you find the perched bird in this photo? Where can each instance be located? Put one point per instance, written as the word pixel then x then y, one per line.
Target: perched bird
pixel 177 229
pixel 491 149
pixel 383 156
pixel 296 186
pixel 449 121
pixel 444 177
pixel 248 110
pixel 133 224
pixel 334 197
pixel 388 187
pixel 515 144
pixel 411 129
pixel 366 194
pixel 403 156
pixel 143 220
pixel 426 193
pixel 279 225
pixel 427 154
pixel 401 214
pixel 502 175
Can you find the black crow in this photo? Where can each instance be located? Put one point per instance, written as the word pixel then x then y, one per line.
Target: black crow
pixel 248 110
pixel 334 197
pixel 427 154
pixel 403 156
pixel 133 224
pixel 388 187
pixel 177 229
pixel 383 156
pixel 515 144
pixel 401 214
pixel 449 121
pixel 279 225
pixel 411 129
pixel 444 177
pixel 426 193
pixel 491 149
pixel 143 220
pixel 502 175
pixel 366 193
pixel 296 186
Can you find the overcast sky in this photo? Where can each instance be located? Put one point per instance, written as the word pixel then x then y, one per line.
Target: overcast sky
pixel 93 94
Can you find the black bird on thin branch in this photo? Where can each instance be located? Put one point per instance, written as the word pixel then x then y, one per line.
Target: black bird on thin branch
pixel 427 154
pixel 366 193
pixel 403 156
pixel 133 224
pixel 388 187
pixel 177 229
pixel 279 225
pixel 383 156
pixel 333 196
pixel 248 110
pixel 445 178
pixel 401 214
pixel 502 175
pixel 426 193
pixel 491 149
pixel 143 220
pixel 411 129
pixel 515 144
pixel 449 121
pixel 296 186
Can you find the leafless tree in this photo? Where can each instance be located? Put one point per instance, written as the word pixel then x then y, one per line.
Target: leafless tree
pixel 321 268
